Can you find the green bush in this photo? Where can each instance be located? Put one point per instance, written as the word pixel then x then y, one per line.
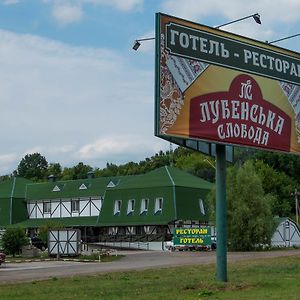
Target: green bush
pixel 13 240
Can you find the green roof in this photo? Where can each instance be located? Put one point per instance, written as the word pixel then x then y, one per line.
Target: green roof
pixel 13 187
pixel 162 177
pixel 66 189
pixel 180 191
pixel 67 222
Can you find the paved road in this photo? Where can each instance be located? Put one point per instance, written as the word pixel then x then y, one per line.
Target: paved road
pixel 17 272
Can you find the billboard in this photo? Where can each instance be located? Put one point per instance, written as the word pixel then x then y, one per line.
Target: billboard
pixel 219 87
pixel 200 236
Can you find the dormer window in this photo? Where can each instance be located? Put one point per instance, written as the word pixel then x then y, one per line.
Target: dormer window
pixel 158 205
pixel 144 206
pixel 56 189
pixel 83 187
pixel 202 209
pixel 130 207
pixel 117 208
pixel 111 185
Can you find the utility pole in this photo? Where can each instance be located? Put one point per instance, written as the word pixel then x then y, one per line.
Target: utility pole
pixel 171 155
pixel 295 194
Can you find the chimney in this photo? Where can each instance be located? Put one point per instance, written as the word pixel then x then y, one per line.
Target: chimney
pixel 51 178
pixel 90 175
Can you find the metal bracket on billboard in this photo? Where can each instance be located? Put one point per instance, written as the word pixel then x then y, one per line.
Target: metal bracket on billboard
pixel 203 147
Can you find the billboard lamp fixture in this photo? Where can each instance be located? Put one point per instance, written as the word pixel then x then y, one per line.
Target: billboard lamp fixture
pixel 285 38
pixel 256 17
pixel 137 43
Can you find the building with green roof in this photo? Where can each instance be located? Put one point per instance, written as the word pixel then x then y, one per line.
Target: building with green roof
pixel 140 207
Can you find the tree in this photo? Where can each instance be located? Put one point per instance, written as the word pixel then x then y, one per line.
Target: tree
pixel 13 240
pixel 250 219
pixel 33 166
pixel 286 163
pixel 80 171
pixel 55 169
pixel 280 186
pixel 198 164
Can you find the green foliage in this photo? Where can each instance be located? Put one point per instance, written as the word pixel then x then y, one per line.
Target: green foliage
pixel 286 163
pixel 80 171
pixel 13 240
pixel 55 169
pixel 43 230
pixel 158 160
pixel 250 219
pixel 197 164
pixel 33 166
pixel 280 186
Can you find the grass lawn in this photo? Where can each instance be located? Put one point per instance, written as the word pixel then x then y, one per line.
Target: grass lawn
pixel 274 278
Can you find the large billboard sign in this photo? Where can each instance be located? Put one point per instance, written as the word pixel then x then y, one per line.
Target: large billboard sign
pixel 218 87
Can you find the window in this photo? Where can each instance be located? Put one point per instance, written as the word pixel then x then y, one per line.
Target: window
pixel 46 207
pixel 130 207
pixel 117 207
pixel 83 187
pixel 158 205
pixel 144 205
pixel 74 206
pixel 101 202
pixel 202 209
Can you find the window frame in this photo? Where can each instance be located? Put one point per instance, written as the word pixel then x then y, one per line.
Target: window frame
pixel 144 205
pixel 47 207
pixel 77 204
pixel 202 207
pixel 117 207
pixel 158 204
pixel 130 206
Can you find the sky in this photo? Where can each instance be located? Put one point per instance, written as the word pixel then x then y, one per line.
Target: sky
pixel 72 88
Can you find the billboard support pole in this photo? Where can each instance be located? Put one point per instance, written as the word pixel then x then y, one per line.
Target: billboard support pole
pixel 221 213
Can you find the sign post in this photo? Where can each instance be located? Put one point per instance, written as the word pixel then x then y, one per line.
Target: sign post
pixel 221 214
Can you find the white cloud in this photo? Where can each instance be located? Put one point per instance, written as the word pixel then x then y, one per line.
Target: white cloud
pixel 123 5
pixel 6 162
pixel 118 145
pixel 62 101
pixel 66 13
